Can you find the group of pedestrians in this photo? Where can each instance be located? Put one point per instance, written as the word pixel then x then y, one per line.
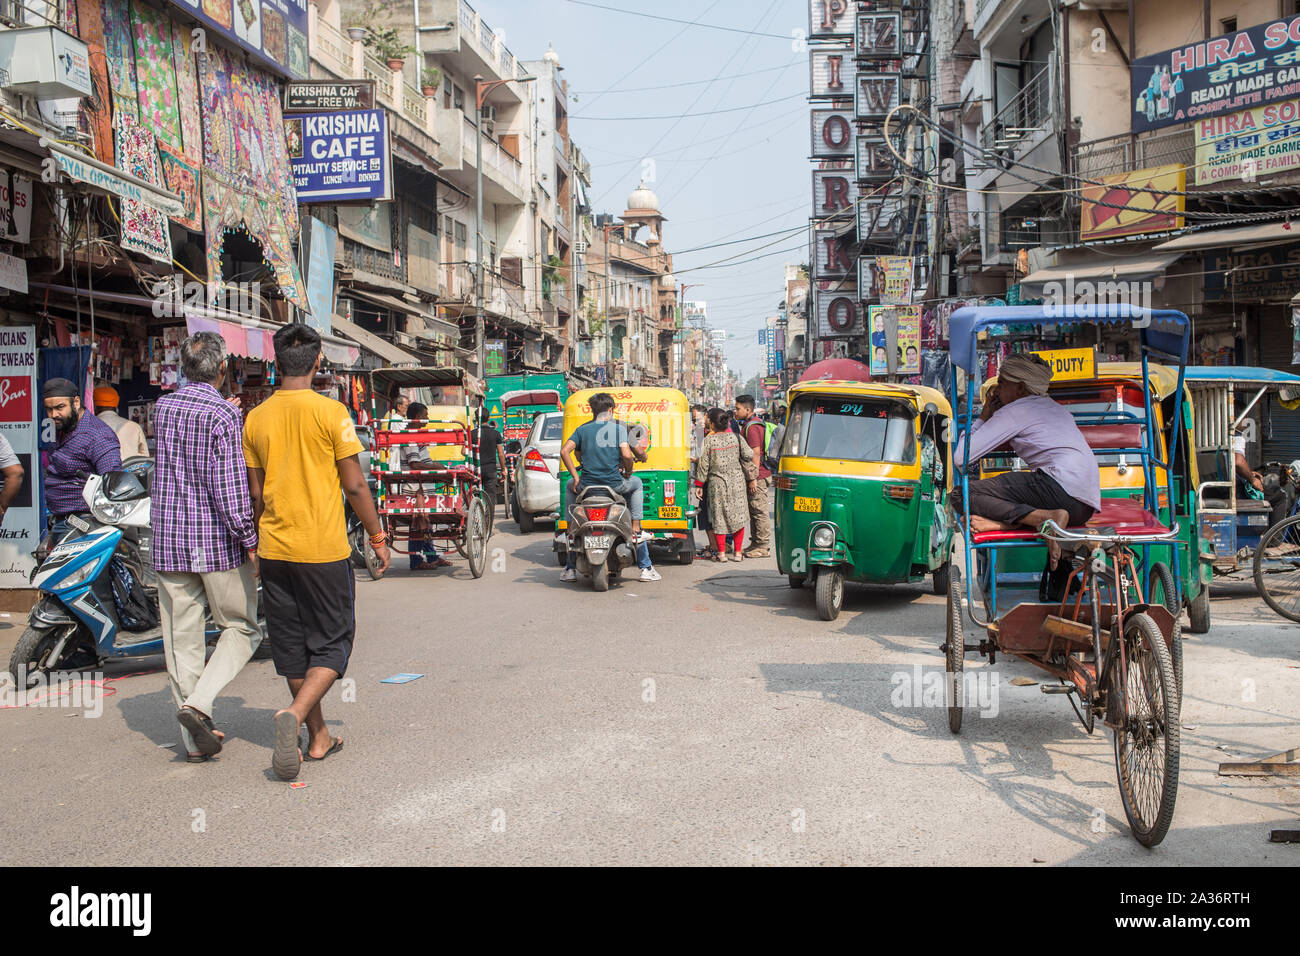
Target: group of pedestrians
pixel 234 499
pixel 732 479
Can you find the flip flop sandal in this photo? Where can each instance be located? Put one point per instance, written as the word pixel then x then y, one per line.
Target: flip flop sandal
pixel 287 759
pixel 336 744
pixel 201 730
pixel 197 758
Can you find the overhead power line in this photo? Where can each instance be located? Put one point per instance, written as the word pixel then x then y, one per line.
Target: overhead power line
pixel 652 16
pixel 679 116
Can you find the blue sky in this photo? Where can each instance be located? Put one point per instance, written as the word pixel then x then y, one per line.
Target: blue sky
pixel 719 177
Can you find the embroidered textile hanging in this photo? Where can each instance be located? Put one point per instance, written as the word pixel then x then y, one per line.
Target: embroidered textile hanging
pixel 97 115
pixel 227 206
pixel 182 177
pixel 144 228
pixel 187 93
pixel 155 74
pixel 120 49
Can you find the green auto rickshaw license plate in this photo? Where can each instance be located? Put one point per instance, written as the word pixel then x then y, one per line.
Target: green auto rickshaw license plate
pixel 668 511
pixel 807 504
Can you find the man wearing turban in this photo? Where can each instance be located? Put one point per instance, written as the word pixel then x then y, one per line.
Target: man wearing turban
pixel 1063 483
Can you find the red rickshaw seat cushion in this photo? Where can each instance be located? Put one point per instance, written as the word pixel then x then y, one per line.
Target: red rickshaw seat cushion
pixel 1124 515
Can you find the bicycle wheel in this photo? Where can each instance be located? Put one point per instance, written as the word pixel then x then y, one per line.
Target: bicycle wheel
pixel 1147 739
pixel 1161 590
pixel 1277 568
pixel 955 650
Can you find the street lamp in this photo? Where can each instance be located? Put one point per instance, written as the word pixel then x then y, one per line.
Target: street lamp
pixel 481 90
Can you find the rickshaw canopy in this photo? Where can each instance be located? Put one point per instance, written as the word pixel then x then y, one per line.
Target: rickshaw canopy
pixel 384 380
pixel 547 396
pixel 1163 332
pixel 1241 375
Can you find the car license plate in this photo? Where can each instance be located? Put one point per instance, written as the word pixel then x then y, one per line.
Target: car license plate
pixel 81 524
pixel 598 541
pixel 670 512
pixel 807 504
pixel 1257 519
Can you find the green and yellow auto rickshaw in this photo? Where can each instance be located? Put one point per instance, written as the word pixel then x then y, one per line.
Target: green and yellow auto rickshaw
pixel 1101 397
pixel 862 487
pixel 669 515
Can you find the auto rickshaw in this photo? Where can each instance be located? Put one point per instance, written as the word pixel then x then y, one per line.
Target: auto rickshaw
pixel 862 487
pixel 665 413
pixel 1101 396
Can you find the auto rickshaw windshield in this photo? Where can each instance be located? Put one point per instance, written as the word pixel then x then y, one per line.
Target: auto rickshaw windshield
pixel 851 428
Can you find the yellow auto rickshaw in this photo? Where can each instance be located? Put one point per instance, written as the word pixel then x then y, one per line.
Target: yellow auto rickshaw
pixel 669 515
pixel 862 487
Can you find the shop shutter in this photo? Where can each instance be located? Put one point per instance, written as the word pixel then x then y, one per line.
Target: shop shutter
pixel 1281 428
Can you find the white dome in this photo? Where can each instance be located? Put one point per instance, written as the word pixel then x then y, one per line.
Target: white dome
pixel 668 280
pixel 642 198
pixel 550 56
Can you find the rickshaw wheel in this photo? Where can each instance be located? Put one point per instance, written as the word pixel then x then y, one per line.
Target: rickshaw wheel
pixel 955 650
pixel 797 581
pixel 1280 589
pixel 830 593
pixel 1198 611
pixel 939 578
pixel 1147 740
pixel 475 538
pixel 1161 590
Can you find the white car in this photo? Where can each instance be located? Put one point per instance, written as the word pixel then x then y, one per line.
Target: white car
pixel 537 473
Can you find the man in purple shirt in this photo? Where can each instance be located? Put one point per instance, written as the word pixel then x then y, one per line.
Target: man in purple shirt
pixel 204 540
pixel 1063 483
pixel 85 446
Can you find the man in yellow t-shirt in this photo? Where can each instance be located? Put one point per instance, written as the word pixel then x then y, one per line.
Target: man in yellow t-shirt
pixel 301 449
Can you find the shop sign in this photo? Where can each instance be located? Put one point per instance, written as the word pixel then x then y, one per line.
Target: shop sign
pixel 1070 365
pixel 272 32
pixel 832 134
pixel 874 160
pixel 13 273
pixel 877 94
pixel 1151 201
pixel 838 313
pixel 1269 274
pixel 20 533
pixel 340 157
pixel 15 208
pixel 830 18
pixel 84 172
pixel 880 215
pixel 835 192
pixel 878 35
pixel 833 70
pixel 1248 144
pixel 320 96
pixel 1236 71
pixel 494 356
pixel 830 258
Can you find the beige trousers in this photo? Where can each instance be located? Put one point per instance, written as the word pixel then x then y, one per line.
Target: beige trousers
pixel 183 599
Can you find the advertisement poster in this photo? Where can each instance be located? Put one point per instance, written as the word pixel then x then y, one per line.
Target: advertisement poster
pixel 494 356
pixel 1229 73
pixel 1133 203
pixel 1249 144
pixel 340 157
pixel 20 528
pixel 320 274
pixel 272 32
pixel 899 326
pixel 896 274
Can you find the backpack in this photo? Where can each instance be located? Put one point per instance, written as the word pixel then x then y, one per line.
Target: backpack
pixel 771 456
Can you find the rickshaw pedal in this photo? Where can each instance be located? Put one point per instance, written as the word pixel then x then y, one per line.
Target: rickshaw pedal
pixel 1056 688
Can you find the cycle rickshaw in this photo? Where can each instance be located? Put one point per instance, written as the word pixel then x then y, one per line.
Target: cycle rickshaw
pixel 1111 651
pixel 428 473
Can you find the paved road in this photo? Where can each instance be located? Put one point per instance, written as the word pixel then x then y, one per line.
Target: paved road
pixel 708 718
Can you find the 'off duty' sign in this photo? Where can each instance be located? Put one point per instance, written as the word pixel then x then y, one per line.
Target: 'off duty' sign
pixel 340 157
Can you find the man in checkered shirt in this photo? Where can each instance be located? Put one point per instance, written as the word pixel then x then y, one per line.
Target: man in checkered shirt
pixel 204 540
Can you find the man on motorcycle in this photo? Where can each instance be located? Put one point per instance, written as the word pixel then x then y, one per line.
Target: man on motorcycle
pixel 607 459
pixel 85 445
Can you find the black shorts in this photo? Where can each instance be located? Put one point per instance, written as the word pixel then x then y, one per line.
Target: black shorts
pixel 1009 497
pixel 309 615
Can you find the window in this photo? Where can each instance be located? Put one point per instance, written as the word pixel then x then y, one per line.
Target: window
pixel 446 92
pixel 851 429
pixel 1229 25
pixel 458 98
pixel 552 428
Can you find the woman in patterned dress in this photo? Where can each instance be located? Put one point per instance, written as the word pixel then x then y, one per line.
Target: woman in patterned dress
pixel 726 472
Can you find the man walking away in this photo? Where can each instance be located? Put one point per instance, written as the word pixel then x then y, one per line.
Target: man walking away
pixel 204 540
pixel 130 436
pixel 85 444
pixel 300 448
pixel 751 429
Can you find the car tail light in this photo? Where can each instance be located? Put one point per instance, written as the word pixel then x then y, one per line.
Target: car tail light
pixel 597 514
pixel 784 482
pixel 533 461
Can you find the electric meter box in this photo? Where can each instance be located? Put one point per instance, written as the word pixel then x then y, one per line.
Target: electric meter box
pixel 44 62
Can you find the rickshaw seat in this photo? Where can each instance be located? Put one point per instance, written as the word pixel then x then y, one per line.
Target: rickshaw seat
pixel 1114 435
pixel 1122 516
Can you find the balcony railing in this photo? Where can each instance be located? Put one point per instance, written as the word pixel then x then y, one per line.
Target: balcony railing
pixel 1027 113
pixel 508 169
pixel 494 51
pixel 413 104
pixel 375 69
pixel 562 215
pixel 332 48
pixel 1118 154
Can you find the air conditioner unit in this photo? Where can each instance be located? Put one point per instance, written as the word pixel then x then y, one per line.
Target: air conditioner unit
pixel 488 119
pixel 44 62
pixel 402 338
pixel 580 247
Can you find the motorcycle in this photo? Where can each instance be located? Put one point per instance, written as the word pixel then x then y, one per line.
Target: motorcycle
pixel 99 596
pixel 601 534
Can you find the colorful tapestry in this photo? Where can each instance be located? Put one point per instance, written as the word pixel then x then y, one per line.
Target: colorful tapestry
pixel 90 21
pixel 282 188
pixel 227 206
pixel 182 177
pixel 274 40
pixel 156 74
pixel 218 10
pixel 298 60
pixel 120 49
pixel 144 228
pixel 187 93
pixel 96 112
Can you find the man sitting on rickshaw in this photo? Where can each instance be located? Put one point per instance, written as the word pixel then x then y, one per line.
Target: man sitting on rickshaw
pixel 1063 482
pixel 1251 484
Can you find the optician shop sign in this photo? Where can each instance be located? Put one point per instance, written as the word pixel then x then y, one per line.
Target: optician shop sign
pixel 272 32
pixel 1236 71
pixel 340 157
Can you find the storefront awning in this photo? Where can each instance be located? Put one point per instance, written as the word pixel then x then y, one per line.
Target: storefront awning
pixel 383 301
pixel 373 343
pixel 252 338
pixel 1127 267
pixel 87 169
pixel 1259 234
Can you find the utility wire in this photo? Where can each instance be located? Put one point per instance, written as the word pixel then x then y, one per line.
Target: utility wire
pixel 681 116
pixel 676 86
pixel 694 23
